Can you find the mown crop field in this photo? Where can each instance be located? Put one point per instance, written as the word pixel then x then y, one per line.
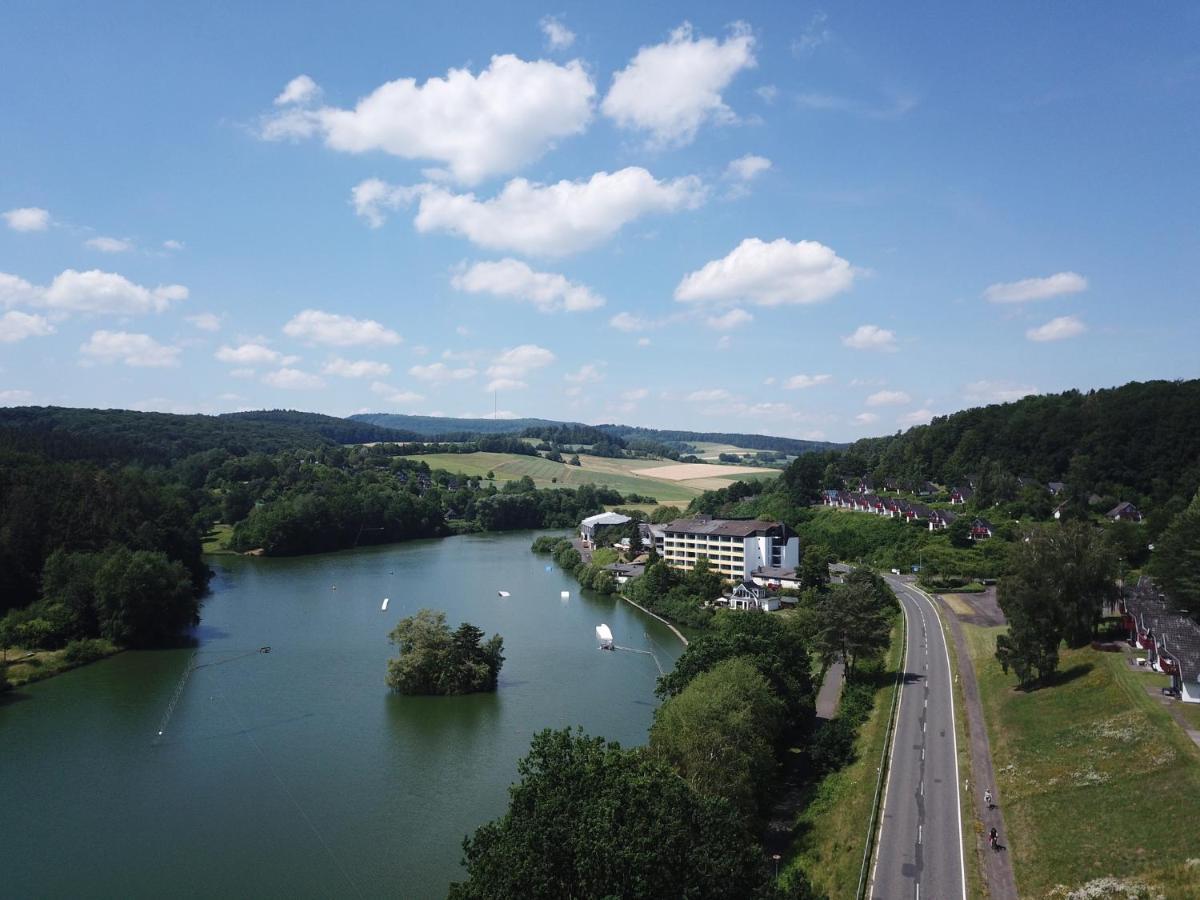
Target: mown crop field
pixel 615 473
pixel 1095 777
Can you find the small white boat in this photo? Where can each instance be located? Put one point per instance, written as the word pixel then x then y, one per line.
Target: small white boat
pixel 565 594
pixel 385 603
pixel 605 636
pixel 504 593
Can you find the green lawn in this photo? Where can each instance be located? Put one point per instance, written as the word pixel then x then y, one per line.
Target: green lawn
pixel 600 471
pixel 1096 777
pixel 215 541
pixel 831 831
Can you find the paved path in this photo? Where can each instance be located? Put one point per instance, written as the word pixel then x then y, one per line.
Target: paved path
pixel 831 691
pixel 997 867
pixel 920 851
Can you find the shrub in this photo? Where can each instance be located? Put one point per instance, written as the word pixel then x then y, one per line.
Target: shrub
pixel 78 653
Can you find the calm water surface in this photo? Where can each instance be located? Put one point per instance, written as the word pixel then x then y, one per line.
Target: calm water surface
pixel 297 772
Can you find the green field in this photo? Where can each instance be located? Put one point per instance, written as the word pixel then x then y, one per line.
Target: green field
pixel 600 471
pixel 1096 778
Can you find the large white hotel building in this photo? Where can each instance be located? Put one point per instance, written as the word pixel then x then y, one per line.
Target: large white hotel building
pixel 735 548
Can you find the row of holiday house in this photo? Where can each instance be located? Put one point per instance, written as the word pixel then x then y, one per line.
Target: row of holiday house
pixel 905 511
pixel 961 495
pixel 1170 637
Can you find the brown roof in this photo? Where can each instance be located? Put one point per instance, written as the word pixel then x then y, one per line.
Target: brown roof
pixel 733 527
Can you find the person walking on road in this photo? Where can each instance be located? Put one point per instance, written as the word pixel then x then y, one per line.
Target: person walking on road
pixel 987 800
pixel 994 839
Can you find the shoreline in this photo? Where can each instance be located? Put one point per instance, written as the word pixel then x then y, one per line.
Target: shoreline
pixel 653 615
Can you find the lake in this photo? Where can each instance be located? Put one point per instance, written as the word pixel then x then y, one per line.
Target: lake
pixel 297 772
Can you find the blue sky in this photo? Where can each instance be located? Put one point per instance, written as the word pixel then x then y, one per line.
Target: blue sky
pixel 819 221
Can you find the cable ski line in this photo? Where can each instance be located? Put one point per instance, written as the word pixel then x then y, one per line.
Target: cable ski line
pixel 179 686
pixel 649 653
pixel 237 720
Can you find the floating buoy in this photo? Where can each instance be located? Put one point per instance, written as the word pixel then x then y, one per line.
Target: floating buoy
pixel 334 587
pixel 385 602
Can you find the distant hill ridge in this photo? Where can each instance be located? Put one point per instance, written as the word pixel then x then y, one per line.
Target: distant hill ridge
pixel 437 426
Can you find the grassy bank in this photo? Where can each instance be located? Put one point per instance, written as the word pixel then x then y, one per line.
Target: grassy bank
pixel 216 540
pixel 25 667
pixel 831 831
pixel 1097 779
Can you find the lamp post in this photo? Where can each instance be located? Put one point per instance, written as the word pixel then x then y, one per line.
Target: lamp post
pixel 776 857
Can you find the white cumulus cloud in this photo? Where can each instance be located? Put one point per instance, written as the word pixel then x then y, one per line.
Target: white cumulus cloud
pixel 90 292
pixel 15 396
pixel 800 382
pixel 320 327
pixel 27 218
pixel 589 373
pixel 394 395
pixel 1036 288
pixel 626 321
pixel 293 380
pixel 916 417
pixel 735 318
pixel 997 391
pixel 299 90
pixel 356 368
pixel 866 418
pixel 251 354
pixel 538 219
pixel 1057 329
pixel 509 369
pixel 440 373
pixel 748 167
pixel 109 244
pixel 769 274
pixel 205 321
pixel 137 350
pixel 888 398
pixel 558 35
pixel 16 326
pixel 671 89
pixel 478 126
pixel 547 291
pixel 870 337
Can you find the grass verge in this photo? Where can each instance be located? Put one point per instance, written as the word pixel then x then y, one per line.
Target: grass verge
pixel 1097 779
pixel 27 666
pixel 833 825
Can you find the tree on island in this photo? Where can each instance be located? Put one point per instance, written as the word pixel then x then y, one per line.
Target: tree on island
pixel 435 660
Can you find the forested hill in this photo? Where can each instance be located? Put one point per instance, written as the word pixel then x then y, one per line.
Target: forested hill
pixel 437 426
pixel 440 426
pixel 1138 440
pixel 119 435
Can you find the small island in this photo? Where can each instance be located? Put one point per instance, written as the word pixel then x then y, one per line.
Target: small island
pixel 435 660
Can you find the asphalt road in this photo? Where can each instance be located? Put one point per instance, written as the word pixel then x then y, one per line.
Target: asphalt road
pixel 920 841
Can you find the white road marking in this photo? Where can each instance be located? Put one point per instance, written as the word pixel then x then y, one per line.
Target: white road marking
pixel 954 735
pixel 891 754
